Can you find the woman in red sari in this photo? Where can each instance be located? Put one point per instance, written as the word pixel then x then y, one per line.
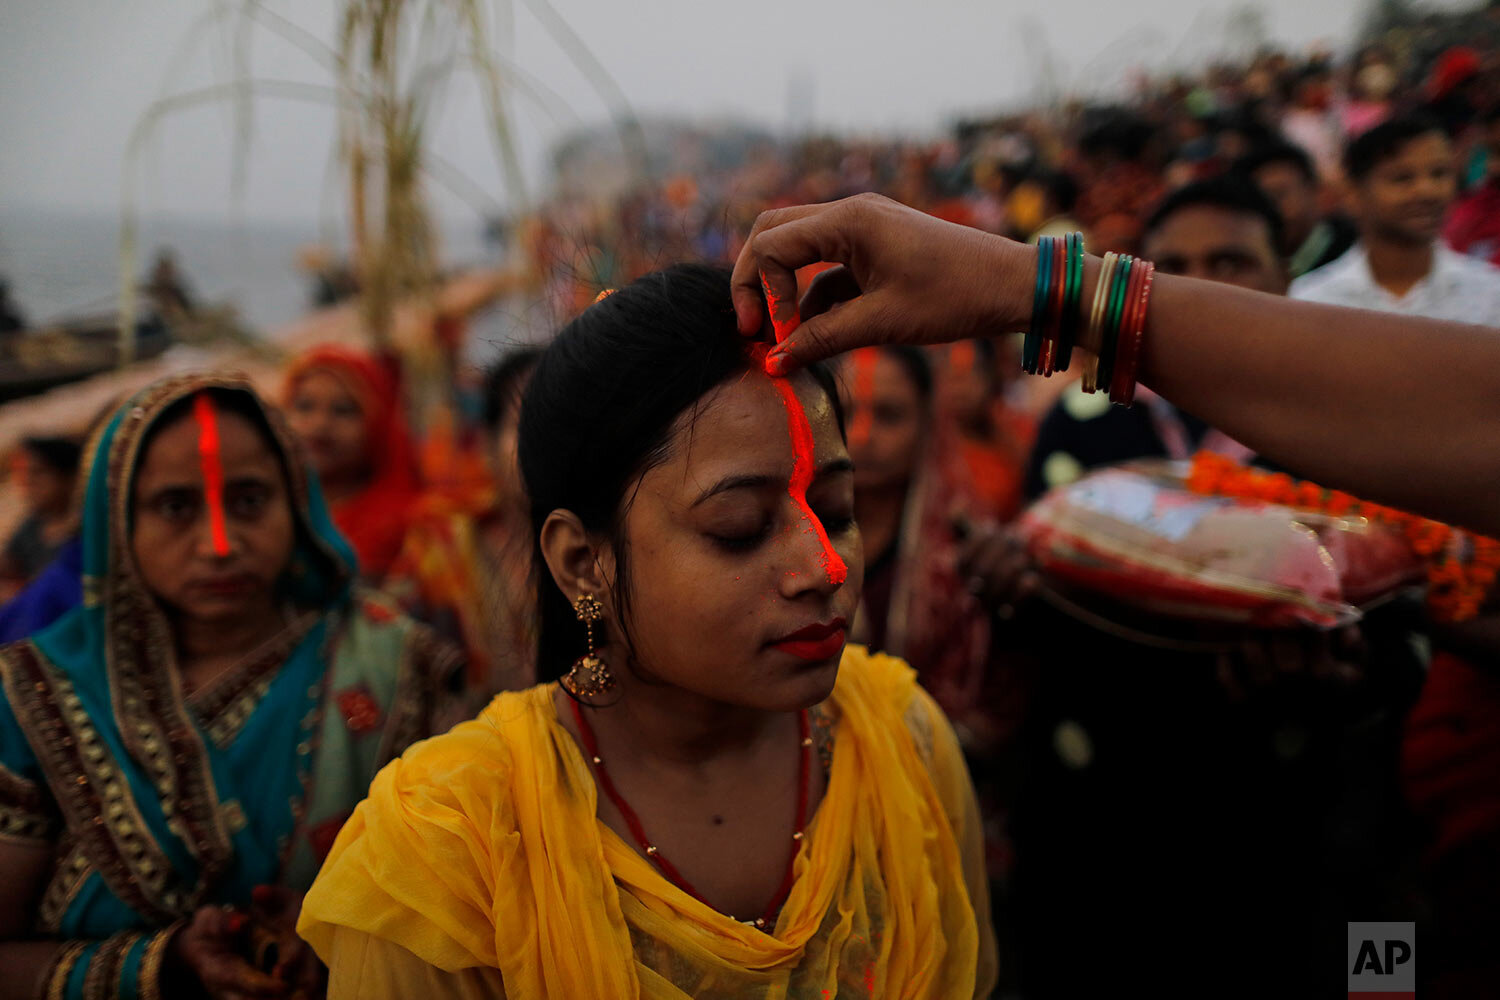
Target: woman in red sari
pixel 345 405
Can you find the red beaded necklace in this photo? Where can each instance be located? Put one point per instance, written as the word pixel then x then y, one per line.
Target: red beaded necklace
pixel 666 867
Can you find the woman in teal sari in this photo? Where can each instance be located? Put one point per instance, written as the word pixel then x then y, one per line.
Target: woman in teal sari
pixel 177 755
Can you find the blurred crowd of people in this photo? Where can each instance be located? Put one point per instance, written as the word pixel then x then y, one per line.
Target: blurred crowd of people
pixel 1250 799
pixel 1089 165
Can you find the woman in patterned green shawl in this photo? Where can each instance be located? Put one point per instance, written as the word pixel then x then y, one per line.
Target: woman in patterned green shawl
pixel 177 755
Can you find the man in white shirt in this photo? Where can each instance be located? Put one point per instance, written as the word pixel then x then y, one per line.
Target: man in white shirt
pixel 1402 182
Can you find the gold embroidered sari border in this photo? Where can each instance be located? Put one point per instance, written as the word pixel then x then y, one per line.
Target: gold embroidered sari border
pixel 89 790
pixel 67 879
pixel 24 813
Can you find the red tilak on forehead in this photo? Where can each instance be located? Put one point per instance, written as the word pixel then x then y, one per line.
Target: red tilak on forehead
pixel 213 469
pixel 804 466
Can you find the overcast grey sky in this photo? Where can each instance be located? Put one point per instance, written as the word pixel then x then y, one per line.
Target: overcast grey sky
pixel 75 75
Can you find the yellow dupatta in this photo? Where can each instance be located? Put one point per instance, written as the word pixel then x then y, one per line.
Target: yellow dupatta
pixel 481 850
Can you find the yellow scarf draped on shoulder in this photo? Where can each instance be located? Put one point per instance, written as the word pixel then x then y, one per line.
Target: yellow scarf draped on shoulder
pixel 481 849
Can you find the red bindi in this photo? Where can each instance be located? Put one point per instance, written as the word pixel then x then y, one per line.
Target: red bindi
pixel 213 469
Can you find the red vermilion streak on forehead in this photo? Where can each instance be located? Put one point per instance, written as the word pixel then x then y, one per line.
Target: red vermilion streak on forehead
pixel 803 466
pixel 213 469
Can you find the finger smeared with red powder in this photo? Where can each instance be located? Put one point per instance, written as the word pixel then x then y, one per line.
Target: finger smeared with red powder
pixel 804 466
pixel 213 469
pixel 783 321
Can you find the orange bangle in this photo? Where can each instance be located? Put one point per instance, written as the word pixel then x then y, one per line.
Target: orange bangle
pixel 1127 323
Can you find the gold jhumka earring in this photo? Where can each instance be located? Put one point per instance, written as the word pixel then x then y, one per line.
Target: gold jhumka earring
pixel 590 677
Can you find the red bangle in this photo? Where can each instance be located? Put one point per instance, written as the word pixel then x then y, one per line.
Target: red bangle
pixel 1055 299
pixel 1124 361
pixel 1122 391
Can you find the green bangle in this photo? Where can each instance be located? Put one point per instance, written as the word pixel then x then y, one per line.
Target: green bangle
pixel 1032 348
pixel 1072 296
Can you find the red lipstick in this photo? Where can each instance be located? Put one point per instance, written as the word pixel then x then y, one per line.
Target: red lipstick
pixel 816 642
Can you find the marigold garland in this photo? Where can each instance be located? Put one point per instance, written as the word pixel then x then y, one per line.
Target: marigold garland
pixel 1461 567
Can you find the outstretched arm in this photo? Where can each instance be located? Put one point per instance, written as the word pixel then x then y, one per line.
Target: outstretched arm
pixel 1395 409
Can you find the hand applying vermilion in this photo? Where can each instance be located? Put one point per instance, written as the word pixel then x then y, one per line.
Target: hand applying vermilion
pixel 906 277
